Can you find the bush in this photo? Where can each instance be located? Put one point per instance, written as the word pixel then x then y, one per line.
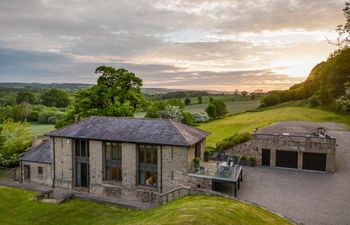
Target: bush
pixel 314 101
pixel 50 117
pixel 172 112
pixel 233 141
pixel 270 100
pixel 196 160
pixel 243 157
pixel 187 101
pixel 188 118
pixel 211 111
pixel 206 155
pixel 216 108
pixel 200 117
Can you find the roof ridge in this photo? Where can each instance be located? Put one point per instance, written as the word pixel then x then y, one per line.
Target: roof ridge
pixel 178 129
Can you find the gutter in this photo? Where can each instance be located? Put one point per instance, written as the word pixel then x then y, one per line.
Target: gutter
pixel 53 163
pixel 161 169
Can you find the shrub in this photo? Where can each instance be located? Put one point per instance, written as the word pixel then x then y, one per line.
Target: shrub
pixel 187 101
pixel 196 160
pixel 270 100
pixel 243 157
pixel 233 141
pixel 200 117
pixel 50 117
pixel 314 101
pixel 211 110
pixel 172 112
pixel 206 155
pixel 188 118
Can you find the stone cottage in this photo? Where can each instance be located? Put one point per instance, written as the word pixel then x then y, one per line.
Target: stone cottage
pixel 115 157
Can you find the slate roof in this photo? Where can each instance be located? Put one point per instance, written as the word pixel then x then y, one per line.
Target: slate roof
pixel 132 130
pixel 38 154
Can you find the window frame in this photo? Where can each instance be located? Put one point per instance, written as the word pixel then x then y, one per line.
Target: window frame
pixel 147 165
pixel 112 160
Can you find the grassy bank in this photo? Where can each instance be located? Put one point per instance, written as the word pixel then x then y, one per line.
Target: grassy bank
pixel 227 126
pixel 40 129
pixel 17 207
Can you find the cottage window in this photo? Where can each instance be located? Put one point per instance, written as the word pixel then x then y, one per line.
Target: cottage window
pixel 147 165
pixel 82 148
pixel 40 170
pixel 113 157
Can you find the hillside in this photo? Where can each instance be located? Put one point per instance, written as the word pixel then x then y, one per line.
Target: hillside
pixel 17 207
pixel 247 122
pixel 325 83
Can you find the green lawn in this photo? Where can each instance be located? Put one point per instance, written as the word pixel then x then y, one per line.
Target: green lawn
pixel 227 126
pixel 233 107
pixel 40 129
pixel 17 207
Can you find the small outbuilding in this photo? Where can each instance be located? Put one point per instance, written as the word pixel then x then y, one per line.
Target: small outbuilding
pixel 295 145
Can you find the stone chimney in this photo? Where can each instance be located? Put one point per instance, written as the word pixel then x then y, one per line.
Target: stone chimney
pixel 76 118
pixel 36 142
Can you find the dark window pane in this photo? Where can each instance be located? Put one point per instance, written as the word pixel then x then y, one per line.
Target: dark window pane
pixel 40 170
pixel 83 148
pixel 141 155
pixel 77 147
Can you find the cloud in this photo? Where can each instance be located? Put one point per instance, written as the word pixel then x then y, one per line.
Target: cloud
pixel 169 43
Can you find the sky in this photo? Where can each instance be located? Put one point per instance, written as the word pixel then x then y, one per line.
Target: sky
pixel 196 44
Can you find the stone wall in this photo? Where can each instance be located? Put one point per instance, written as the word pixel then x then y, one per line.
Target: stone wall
pixel 129 170
pixel 96 166
pixel 246 149
pixel 300 145
pixel 63 157
pixel 35 177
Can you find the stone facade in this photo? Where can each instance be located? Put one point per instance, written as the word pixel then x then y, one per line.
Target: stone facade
pixel 174 163
pixel 45 178
pixel 62 162
pixel 298 144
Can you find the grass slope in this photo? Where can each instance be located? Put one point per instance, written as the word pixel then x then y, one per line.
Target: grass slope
pixel 40 129
pixel 17 207
pixel 232 107
pixel 227 126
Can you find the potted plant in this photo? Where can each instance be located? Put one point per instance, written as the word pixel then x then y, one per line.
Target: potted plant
pixel 243 160
pixel 196 162
pixel 206 156
pixel 252 160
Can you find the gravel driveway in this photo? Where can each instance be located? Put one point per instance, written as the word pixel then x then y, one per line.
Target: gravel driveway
pixel 310 198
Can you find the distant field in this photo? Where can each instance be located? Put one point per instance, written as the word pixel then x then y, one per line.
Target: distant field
pixel 40 129
pixel 225 98
pixel 233 107
pixel 227 126
pixel 18 207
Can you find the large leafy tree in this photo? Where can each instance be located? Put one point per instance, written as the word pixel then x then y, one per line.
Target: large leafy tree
pixel 25 96
pixel 117 93
pixel 344 30
pixel 55 97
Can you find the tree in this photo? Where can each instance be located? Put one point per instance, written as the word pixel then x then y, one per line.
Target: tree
pixel 221 109
pixel 117 93
pixel 15 138
pixel 270 100
pixel 344 30
pixel 154 108
pixel 211 110
pixel 244 93
pixel 188 118
pixel 172 112
pixel 200 100
pixel 25 96
pixel 55 97
pixel 187 101
pixel 124 86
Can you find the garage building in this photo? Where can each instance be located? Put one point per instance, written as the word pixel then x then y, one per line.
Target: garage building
pixel 295 145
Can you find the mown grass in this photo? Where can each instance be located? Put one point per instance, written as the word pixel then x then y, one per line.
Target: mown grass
pixel 40 129
pixel 233 107
pixel 18 207
pixel 247 122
